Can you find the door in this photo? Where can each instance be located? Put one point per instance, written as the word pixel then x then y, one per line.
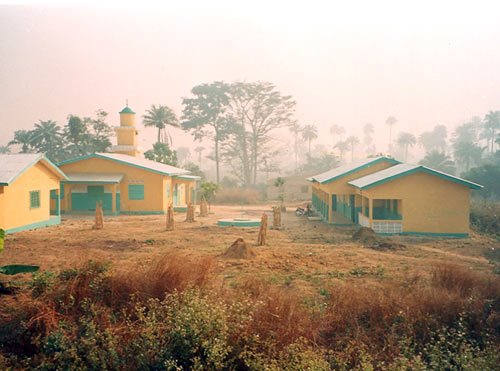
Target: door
pixel 353 209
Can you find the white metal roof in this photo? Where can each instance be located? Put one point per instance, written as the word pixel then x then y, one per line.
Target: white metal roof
pixel 94 178
pixel 142 163
pixel 397 171
pixel 13 165
pixel 348 168
pixel 145 163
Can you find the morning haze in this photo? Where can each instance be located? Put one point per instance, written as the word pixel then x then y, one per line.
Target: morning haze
pixel 345 65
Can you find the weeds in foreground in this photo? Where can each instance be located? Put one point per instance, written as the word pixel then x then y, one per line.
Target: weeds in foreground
pixel 170 316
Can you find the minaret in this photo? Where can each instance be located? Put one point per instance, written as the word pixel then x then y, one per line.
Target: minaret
pixel 126 133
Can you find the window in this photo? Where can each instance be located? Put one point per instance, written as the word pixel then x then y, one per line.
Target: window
pixel 136 192
pixel 34 199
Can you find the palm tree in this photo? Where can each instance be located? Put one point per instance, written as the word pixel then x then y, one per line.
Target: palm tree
pixel 439 161
pixel 160 117
pixel 391 121
pixel 336 130
pixel 491 124
pixel 467 153
pixel 342 146
pixel 295 129
pixel 47 138
pixel 309 133
pixel 352 141
pixel 24 138
pixel 368 130
pixel 406 140
pixel 199 150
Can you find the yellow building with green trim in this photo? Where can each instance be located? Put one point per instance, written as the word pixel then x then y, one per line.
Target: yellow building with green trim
pixel 394 198
pixel 124 182
pixel 29 192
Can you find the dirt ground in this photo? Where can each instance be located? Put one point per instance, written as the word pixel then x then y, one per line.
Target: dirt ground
pixel 308 255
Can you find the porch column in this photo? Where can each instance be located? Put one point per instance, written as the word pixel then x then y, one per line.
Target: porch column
pixel 113 198
pixel 370 210
pixel 330 206
pixel 188 194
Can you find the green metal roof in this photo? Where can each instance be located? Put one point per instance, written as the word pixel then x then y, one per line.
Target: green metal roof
pixel 398 171
pixel 350 168
pixel 127 110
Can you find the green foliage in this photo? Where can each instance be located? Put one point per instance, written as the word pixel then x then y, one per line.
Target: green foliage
pixel 208 191
pixel 485 216
pixel 439 161
pixel 161 117
pixel 488 176
pixel 194 170
pixel 2 239
pixel 161 152
pixel 78 137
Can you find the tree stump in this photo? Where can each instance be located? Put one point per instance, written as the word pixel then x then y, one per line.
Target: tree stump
pixel 170 218
pixel 190 213
pixel 99 218
pixel 261 240
pixel 276 217
pixel 203 208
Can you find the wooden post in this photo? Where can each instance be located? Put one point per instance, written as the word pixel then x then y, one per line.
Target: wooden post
pixel 99 218
pixel 203 208
pixel 276 217
pixel 170 218
pixel 190 213
pixel 261 240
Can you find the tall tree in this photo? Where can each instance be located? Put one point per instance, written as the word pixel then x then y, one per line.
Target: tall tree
pixel 161 152
pixel 205 116
pixel 199 150
pixel 295 129
pixel 352 141
pixel 47 139
pixel 406 140
pixel 390 121
pixel 336 131
pixel 342 146
pixel 309 133
pixel 257 109
pixel 491 125
pixel 434 140
pixel 467 154
pixel 161 117
pixel 439 161
pixel 23 138
pixel 368 131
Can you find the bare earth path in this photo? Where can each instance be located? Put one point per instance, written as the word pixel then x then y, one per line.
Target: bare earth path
pixel 310 256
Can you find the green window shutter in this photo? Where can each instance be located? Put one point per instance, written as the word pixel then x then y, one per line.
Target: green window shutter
pixel 61 192
pixel 136 192
pixel 34 199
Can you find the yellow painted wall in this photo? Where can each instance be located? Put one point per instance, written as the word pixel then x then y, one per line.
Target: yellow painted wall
pixel 154 189
pixel 126 137
pixel 340 186
pixel 15 200
pixel 429 204
pixel 127 119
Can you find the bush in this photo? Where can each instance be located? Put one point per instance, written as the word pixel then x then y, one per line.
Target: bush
pixel 485 217
pixel 237 196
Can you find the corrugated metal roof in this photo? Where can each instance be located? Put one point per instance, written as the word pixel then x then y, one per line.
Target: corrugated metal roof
pixel 13 165
pixel 400 170
pixel 94 178
pixel 143 163
pixel 343 170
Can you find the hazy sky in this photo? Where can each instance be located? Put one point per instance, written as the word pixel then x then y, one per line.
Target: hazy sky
pixel 347 64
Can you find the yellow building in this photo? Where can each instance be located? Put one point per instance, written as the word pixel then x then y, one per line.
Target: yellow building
pixel 29 192
pixel 399 199
pixel 124 182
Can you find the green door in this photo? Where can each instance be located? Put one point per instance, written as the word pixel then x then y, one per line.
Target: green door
pixel 87 201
